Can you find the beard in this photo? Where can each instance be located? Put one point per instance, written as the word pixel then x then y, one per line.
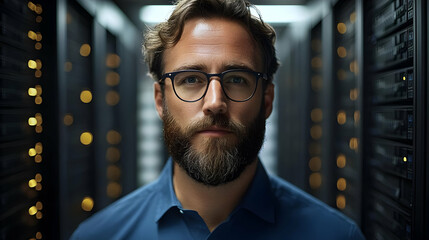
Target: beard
pixel 219 160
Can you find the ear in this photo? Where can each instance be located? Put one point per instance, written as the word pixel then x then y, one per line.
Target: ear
pixel 269 98
pixel 159 102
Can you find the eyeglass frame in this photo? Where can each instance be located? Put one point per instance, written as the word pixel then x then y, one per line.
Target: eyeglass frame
pixel 209 76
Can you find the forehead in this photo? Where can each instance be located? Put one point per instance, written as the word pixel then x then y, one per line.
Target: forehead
pixel 213 44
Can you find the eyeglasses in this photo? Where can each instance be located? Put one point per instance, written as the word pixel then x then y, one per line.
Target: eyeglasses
pixel 239 85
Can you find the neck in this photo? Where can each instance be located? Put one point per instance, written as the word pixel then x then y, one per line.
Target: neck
pixel 213 204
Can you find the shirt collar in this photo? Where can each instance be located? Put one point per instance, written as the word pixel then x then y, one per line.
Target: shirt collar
pixel 166 195
pixel 258 199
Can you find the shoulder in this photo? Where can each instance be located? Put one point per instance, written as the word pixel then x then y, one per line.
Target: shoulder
pixel 120 214
pixel 309 214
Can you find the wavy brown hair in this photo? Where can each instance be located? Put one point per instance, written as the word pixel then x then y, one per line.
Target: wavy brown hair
pixel 167 34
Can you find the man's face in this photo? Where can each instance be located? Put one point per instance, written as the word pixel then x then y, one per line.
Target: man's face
pixel 213 139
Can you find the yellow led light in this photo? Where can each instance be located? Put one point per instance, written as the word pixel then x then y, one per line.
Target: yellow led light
pixel 68 119
pixel 38 159
pixel 353 143
pixel 342 52
pixel 356 116
pixel 112 98
pixel 354 94
pixel 316 132
pixel 38 100
pixel 38 187
pixel 113 154
pixel 39 215
pixel 341 184
pixel 112 78
pixel 39 205
pixel 405 159
pixel 342 28
pixel 38 177
pixel 38 64
pixel 404 78
pixel 113 60
pixel 341 201
pixel 113 137
pixel 32 183
pixel 38 235
pixel 39 148
pixel 315 164
pixel 86 96
pixel 38 46
pixel 32 35
pixel 86 138
pixel 38 89
pixel 32 152
pixel 39 119
pixel 85 50
pixel 113 173
pixel 39 129
pixel 341 117
pixel 341 161
pixel 38 36
pixel 32 64
pixel 31 6
pixel 316 115
pixel 32 211
pixel 38 9
pixel 87 204
pixel 114 190
pixel 353 17
pixel 32 92
pixel 315 180
pixel 38 73
pixel 32 121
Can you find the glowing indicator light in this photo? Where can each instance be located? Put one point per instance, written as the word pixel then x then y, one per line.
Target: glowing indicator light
pixel 32 211
pixel 32 152
pixel 86 96
pixel 32 121
pixel 32 64
pixel 86 138
pixel 87 204
pixel 32 183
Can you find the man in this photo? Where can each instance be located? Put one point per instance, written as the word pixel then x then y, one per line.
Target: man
pixel 213 64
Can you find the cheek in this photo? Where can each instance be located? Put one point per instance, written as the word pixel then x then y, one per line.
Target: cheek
pixel 182 112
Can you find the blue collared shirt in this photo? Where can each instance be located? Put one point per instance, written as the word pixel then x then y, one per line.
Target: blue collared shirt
pixel 271 209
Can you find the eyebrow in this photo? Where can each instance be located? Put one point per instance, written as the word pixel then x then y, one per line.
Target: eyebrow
pixel 201 67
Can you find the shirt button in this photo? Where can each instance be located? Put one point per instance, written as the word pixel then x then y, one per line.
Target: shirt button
pixel 181 211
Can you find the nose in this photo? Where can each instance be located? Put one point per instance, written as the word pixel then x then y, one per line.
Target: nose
pixel 215 99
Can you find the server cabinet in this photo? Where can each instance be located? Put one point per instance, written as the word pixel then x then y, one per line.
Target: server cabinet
pixel 315 113
pixel 346 125
pixel 395 119
pixel 22 139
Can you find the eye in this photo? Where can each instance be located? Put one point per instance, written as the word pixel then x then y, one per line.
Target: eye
pixel 238 80
pixel 190 80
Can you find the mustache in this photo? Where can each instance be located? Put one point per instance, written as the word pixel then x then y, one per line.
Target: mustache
pixel 218 120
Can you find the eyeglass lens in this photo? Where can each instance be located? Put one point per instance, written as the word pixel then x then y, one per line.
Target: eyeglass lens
pixel 238 86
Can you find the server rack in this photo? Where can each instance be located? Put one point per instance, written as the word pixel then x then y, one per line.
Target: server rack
pixel 396 118
pixel 62 94
pixel 346 109
pixel 22 141
pixel 316 111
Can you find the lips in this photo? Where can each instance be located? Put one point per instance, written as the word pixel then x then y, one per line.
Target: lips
pixel 215 131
